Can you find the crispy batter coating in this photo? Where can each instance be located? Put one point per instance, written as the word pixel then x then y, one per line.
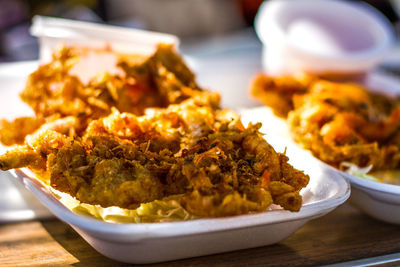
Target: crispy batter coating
pixel 227 170
pixel 21 156
pixel 278 92
pixel 14 132
pixel 338 122
pixel 52 91
pixel 166 136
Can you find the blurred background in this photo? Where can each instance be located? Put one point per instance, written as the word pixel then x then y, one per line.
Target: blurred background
pixel 191 20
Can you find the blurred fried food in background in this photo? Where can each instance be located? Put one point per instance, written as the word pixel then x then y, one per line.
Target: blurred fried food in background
pixel 338 122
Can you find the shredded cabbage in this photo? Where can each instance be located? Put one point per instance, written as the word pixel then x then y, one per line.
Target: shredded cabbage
pixel 383 176
pixel 165 210
pixel 355 170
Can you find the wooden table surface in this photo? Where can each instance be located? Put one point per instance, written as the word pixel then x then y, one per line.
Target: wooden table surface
pixel 343 235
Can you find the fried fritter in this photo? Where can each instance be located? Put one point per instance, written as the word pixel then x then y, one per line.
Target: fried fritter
pixel 124 160
pixel 52 91
pixel 278 92
pixel 14 132
pixel 338 122
pixel 147 135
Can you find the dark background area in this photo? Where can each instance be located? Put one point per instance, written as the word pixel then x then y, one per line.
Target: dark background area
pixel 189 19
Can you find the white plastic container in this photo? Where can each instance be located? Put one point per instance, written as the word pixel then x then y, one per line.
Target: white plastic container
pixel 322 37
pixel 54 31
pixel 157 242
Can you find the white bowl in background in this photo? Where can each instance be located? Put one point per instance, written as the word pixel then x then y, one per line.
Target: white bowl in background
pixel 379 200
pixel 322 37
pixel 55 31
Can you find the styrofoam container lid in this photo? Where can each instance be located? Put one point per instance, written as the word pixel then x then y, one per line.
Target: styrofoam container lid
pixel 322 36
pixel 53 31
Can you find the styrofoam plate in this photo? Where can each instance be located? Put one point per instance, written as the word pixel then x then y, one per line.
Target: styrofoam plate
pixel 147 243
pixel 156 242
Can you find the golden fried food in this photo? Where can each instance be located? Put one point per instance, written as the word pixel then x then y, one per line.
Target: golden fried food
pixel 278 92
pixel 14 132
pixel 338 122
pixel 156 81
pixel 149 134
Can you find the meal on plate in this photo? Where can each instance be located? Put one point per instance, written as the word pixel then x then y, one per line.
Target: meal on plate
pixel 343 124
pixel 144 138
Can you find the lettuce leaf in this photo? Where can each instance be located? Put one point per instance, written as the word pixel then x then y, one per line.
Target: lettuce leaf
pixel 361 172
pixel 165 210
